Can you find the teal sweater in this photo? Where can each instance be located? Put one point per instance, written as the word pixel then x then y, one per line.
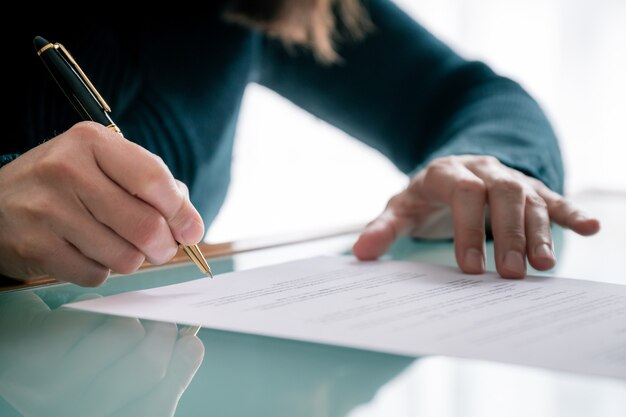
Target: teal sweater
pixel 175 86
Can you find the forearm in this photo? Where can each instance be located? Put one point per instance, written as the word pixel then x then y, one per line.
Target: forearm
pixel 407 94
pixel 497 117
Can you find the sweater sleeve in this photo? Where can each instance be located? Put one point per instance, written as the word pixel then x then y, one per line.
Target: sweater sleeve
pixel 408 95
pixel 5 159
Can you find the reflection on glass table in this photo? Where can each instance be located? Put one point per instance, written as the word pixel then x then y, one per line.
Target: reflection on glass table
pixel 67 363
pixel 56 362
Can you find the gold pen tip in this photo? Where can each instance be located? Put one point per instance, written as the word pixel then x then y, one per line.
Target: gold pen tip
pixel 196 256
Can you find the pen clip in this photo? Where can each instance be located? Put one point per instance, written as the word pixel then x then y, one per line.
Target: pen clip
pixel 59 47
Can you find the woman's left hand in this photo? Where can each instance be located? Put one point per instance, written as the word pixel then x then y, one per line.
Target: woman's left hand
pixel 463 191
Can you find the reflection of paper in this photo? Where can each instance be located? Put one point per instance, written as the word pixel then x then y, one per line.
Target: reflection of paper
pixel 404 308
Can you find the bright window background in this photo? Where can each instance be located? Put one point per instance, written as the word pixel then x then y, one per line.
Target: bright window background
pixel 294 173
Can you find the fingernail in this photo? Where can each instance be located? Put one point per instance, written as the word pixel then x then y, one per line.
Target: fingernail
pixel 474 260
pixel 581 217
pixel 514 262
pixel 544 251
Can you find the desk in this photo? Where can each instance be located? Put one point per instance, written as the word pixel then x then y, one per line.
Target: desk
pixel 73 364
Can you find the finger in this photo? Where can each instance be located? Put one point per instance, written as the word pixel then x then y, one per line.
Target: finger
pixel 468 216
pixel 566 214
pixel 404 214
pixel 455 185
pixel 141 225
pixel 66 263
pixel 189 206
pixel 146 176
pixel 538 235
pixel 380 234
pixel 506 197
pixel 96 241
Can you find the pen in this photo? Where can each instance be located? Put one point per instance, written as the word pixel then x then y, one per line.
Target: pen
pixel 91 106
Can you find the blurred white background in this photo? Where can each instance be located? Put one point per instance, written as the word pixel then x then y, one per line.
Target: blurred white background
pixel 295 173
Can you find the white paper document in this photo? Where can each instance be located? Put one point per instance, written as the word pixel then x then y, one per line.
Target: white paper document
pixel 404 308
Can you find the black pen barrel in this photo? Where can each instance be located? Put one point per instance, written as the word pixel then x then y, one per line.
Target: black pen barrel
pixel 74 88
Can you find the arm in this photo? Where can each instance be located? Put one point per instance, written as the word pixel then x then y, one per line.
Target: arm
pixel 438 116
pixel 408 95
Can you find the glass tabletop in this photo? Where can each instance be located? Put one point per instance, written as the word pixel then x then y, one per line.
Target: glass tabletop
pixel 58 362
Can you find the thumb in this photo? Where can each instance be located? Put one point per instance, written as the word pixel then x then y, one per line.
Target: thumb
pixel 380 234
pixel 188 222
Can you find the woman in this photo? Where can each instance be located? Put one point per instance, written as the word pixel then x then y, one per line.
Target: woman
pixel 84 202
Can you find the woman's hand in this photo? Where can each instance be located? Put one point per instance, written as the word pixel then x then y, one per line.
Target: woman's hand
pixel 87 202
pixel 463 191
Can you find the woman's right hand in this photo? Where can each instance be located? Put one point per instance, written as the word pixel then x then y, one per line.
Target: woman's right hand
pixel 88 202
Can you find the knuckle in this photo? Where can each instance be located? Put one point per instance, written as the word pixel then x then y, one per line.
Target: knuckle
pixel 157 161
pixel 183 188
pixel 514 234
pixel 25 250
pixel 535 201
pixel 471 185
pixel 561 206
pixel 157 173
pixel 435 169
pixel 86 131
pixel 489 160
pixel 48 252
pixel 158 167
pixel 535 183
pixel 57 167
pixel 443 162
pixel 507 186
pixel 34 210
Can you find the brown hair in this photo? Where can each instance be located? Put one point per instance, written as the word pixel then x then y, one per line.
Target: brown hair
pixel 311 23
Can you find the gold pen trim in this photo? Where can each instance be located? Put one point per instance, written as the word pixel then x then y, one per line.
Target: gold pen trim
pixel 194 253
pixel 44 49
pixel 80 72
pixel 114 128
